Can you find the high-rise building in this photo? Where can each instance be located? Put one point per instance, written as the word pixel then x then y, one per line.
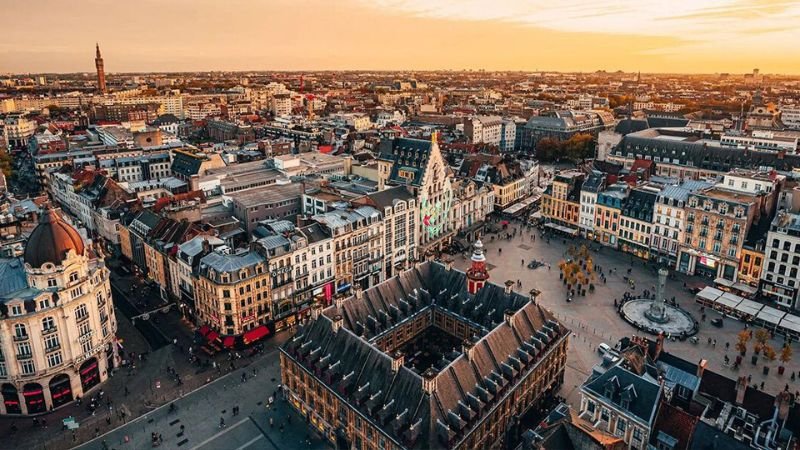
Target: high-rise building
pixel 101 73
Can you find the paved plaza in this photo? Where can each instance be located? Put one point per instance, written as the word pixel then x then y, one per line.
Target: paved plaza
pixel 593 318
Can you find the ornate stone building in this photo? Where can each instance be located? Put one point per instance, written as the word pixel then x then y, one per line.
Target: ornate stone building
pixel 57 324
pixel 418 362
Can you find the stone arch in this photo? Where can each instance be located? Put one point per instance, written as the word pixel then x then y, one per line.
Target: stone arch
pixel 11 399
pixel 34 398
pixel 60 389
pixel 89 373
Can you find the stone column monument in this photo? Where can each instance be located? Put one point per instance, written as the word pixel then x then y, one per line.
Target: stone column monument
pixel 658 310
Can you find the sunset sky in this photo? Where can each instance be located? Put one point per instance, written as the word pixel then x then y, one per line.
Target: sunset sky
pixel 566 35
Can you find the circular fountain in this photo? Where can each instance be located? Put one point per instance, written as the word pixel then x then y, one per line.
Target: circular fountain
pixel 655 316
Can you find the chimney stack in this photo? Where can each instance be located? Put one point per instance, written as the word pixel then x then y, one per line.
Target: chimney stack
pixel 509 286
pixel 701 367
pixel 741 388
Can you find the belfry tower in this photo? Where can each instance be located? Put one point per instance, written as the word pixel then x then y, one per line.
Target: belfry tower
pixel 477 274
pixel 101 73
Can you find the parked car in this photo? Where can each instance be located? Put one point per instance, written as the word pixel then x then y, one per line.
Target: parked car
pixel 603 348
pixel 717 322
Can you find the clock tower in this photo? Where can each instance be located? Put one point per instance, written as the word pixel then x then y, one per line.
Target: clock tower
pixel 477 274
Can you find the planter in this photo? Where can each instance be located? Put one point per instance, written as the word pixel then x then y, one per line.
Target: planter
pixel 781 369
pixel 766 370
pixel 754 360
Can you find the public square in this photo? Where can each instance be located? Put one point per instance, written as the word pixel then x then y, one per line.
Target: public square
pixel 593 318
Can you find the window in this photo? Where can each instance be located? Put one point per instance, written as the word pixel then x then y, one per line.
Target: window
pixel 73 277
pixel 81 312
pixel 604 415
pixel 590 406
pixel 16 310
pixel 20 331
pixel 51 282
pixel 27 367
pixel 637 434
pixel 48 324
pixel 54 359
pixel 51 342
pixel 621 425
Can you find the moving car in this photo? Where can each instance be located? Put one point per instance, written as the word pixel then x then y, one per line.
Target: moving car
pixel 603 348
pixel 717 322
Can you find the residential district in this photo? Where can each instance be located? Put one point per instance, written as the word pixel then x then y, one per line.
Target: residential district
pixel 329 260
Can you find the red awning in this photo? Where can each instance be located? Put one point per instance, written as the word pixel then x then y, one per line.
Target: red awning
pixel 256 334
pixel 505 222
pixel 204 330
pixel 228 341
pixel 212 336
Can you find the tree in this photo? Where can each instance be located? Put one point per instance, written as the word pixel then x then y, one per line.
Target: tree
pixel 769 352
pixel 578 146
pixel 786 354
pixel 547 149
pixel 762 336
pixel 742 339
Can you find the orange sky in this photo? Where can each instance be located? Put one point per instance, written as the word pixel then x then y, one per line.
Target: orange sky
pixel 568 35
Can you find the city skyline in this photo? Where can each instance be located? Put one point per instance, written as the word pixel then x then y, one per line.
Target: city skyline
pixel 692 37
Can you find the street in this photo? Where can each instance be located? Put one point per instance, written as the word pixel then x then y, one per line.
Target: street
pixel 199 412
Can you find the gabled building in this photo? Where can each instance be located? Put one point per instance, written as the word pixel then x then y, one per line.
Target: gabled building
pixel 357 375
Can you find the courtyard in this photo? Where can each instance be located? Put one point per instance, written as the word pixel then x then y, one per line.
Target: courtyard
pixel 593 317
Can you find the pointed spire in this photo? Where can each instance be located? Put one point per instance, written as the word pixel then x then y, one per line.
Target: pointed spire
pixel 97 47
pixel 433 137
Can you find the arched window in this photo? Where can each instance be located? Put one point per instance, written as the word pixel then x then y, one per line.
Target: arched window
pixel 81 312
pixel 73 277
pixel 20 331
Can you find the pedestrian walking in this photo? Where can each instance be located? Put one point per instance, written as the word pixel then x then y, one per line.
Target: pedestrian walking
pixel 271 423
pixel 222 422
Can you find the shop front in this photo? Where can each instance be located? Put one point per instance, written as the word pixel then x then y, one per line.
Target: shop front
pixel 60 390
pixel 90 374
pixel 34 398
pixel 11 399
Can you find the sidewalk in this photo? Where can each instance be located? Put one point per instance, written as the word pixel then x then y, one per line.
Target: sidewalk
pixel 148 386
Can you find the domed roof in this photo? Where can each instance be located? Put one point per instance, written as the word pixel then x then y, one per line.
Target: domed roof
pixel 51 240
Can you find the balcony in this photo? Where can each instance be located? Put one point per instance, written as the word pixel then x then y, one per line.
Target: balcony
pixel 20 337
pixel 52 348
pixel 24 356
pixel 80 319
pixel 720 225
pixel 50 330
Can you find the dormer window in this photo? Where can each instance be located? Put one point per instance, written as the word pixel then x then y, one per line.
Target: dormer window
pixel 73 277
pixel 51 282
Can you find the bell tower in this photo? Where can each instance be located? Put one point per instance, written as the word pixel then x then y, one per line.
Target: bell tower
pixel 477 274
pixel 101 73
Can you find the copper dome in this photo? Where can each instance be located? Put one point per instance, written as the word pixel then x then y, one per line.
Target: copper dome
pixel 51 240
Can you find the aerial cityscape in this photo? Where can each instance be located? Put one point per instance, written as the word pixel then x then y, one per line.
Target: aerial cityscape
pixel 513 228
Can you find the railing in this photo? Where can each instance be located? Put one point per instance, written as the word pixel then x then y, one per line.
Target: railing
pixel 20 337
pixel 49 330
pixel 80 319
pixel 52 348
pixel 24 356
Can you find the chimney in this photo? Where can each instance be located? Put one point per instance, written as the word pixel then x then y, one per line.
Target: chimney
pixel 509 286
pixel 398 359
pixel 741 388
pixel 782 402
pixel 206 246
pixel 358 292
pixel 508 316
pixel 338 320
pixel 467 349
pixel 339 301
pixel 429 380
pixel 701 367
pixel 448 264
pixel 534 294
pixel 659 345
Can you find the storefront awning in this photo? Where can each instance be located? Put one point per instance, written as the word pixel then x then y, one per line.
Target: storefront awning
pixel 228 341
pixel 255 334
pixel 567 230
pixel 204 330
pixel 212 336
